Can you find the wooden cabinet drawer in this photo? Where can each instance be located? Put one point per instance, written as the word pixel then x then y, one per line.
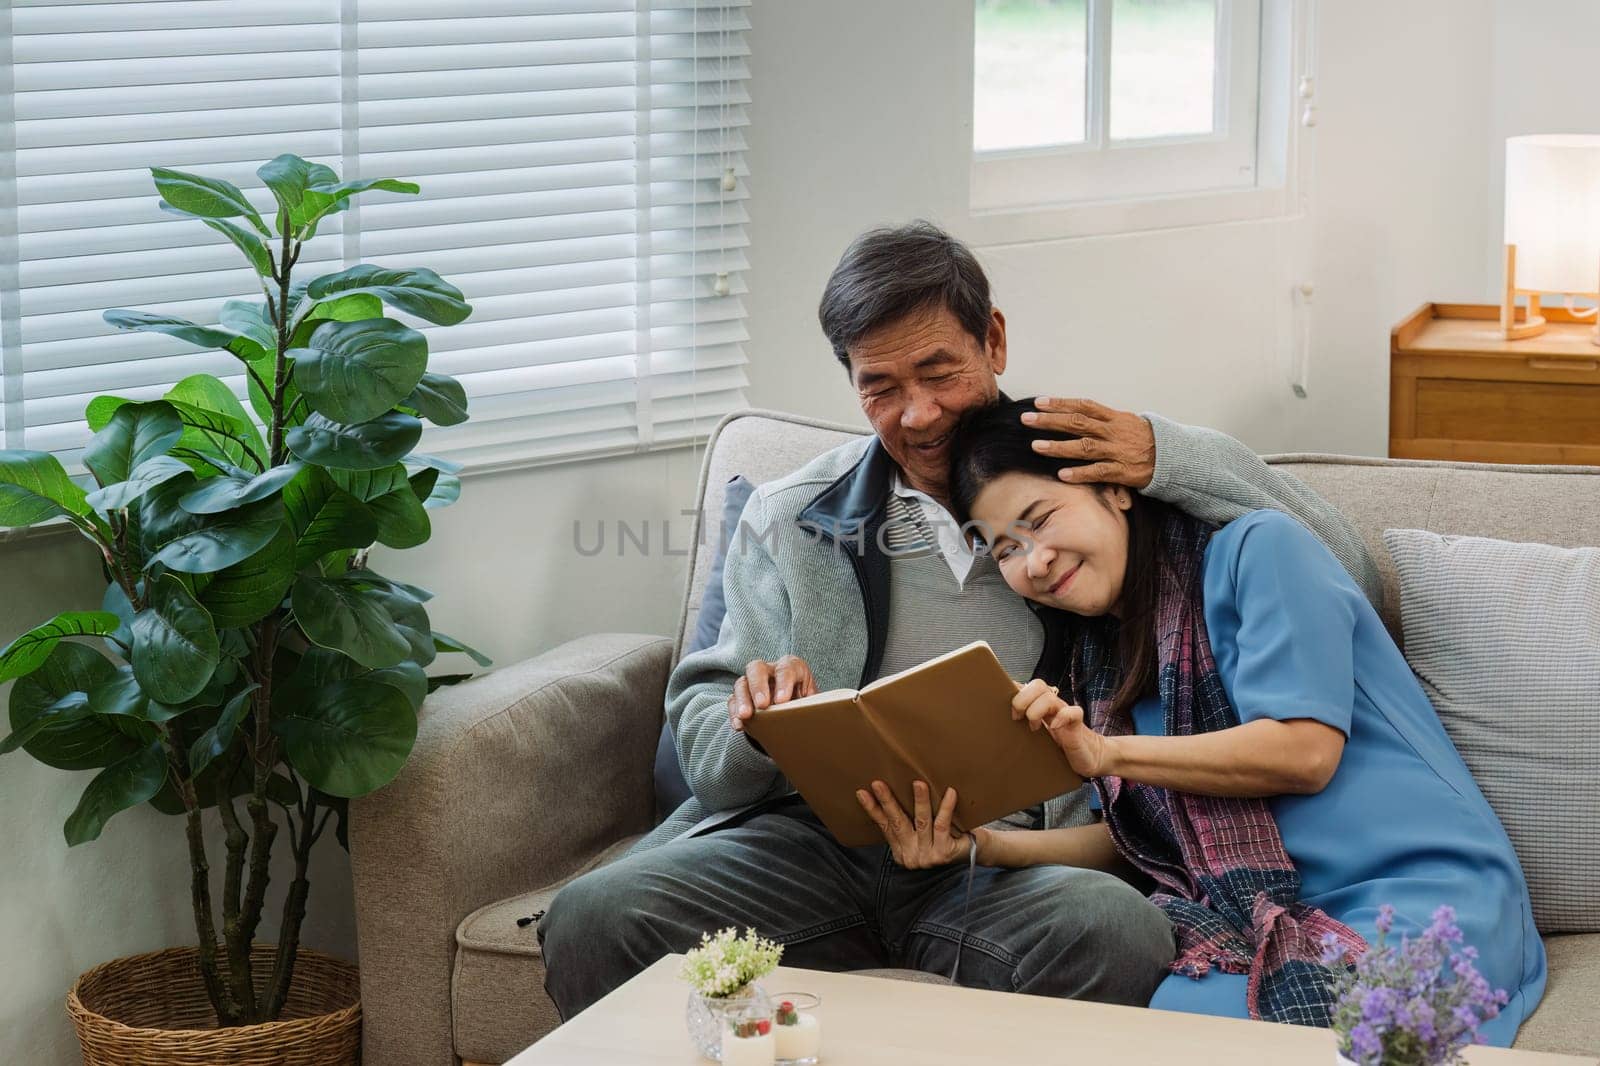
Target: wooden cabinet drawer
pixel 1507 411
pixel 1458 391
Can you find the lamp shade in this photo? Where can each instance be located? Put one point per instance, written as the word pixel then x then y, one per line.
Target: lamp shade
pixel 1553 211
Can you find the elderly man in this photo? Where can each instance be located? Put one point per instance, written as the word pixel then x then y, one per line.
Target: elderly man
pixel 852 569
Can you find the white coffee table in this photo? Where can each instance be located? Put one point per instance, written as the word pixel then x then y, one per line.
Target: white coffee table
pixel 869 1021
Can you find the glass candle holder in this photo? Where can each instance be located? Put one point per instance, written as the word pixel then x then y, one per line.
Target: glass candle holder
pixel 797 1028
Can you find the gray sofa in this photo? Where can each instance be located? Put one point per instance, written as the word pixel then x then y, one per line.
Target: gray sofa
pixel 538 771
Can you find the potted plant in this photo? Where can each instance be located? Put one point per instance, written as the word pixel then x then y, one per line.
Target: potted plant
pixel 245 658
pixel 729 1015
pixel 1415 1004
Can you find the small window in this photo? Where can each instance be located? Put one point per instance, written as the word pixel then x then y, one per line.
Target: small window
pixel 1093 100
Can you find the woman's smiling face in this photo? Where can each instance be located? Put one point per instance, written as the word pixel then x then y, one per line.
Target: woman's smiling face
pixel 1060 545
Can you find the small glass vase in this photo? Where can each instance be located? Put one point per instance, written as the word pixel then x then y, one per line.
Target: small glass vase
pixel 706 1017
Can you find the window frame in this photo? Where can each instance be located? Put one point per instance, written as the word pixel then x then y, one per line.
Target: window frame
pixel 1066 191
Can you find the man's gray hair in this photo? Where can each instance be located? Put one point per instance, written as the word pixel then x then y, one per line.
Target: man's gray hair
pixel 891 272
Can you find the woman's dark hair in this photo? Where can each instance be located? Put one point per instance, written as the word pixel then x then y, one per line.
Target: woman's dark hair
pixel 890 272
pixel 992 440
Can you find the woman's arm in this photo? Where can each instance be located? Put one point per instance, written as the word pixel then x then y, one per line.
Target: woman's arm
pixel 1264 757
pixel 1079 845
pixel 1258 759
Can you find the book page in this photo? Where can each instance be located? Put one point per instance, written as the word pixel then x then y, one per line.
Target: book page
pixel 827 749
pixel 950 719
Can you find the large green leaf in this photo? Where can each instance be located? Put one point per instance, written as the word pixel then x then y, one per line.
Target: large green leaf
pixel 123 696
pixel 200 336
pixel 356 307
pixel 34 487
pixel 325 198
pixel 289 176
pixel 339 614
pixel 366 446
pixel 250 321
pixel 434 462
pixel 218 494
pixel 370 484
pixel 137 433
pixel 253 247
pixel 402 521
pixel 351 737
pixel 353 371
pixel 408 677
pixel 222 540
pixel 219 738
pixel 115 601
pixel 445 642
pixel 205 197
pixel 29 651
pixel 247 591
pixel 81 744
pixel 440 399
pixel 150 473
pixel 405 610
pixel 72 707
pixel 324 517
pixel 416 290
pixel 202 393
pixel 175 645
pixel 126 783
pixel 435 489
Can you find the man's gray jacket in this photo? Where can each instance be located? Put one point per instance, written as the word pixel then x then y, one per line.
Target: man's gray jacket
pixel 808 575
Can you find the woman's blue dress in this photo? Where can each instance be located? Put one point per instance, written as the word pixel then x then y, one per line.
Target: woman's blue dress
pixel 1402 821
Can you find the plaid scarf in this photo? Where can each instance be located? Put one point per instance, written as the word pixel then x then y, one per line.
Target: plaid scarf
pixel 1223 876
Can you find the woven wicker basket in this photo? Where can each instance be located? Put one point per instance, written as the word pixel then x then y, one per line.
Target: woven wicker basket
pixel 152 1010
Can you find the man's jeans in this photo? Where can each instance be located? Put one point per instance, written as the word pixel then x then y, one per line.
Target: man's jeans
pixel 1048 930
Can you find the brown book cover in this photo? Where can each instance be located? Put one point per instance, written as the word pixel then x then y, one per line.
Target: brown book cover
pixel 947 722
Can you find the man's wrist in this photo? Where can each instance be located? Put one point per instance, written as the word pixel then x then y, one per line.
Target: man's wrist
pixel 986 839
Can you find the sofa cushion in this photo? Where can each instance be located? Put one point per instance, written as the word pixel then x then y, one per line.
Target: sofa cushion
pixel 1566 1020
pixel 1506 641
pixel 497 1000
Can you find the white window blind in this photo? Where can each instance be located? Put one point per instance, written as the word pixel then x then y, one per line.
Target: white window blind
pixel 583 182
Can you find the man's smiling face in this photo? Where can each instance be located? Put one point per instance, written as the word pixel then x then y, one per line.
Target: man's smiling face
pixel 916 377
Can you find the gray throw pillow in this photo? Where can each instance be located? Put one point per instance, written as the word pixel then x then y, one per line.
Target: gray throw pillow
pixel 1506 641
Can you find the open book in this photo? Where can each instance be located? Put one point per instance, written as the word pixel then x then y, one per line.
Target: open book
pixel 947 722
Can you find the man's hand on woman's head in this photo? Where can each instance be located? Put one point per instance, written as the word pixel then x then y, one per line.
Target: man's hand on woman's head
pixel 765 684
pixel 1042 707
pixel 1120 445
pixel 926 838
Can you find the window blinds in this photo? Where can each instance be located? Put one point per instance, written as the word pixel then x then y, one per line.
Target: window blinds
pixel 583 182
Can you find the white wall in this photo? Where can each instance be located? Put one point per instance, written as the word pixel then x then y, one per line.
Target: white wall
pixel 860 117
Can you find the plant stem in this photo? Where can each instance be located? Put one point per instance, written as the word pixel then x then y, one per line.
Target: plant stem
pixel 239 974
pixel 294 910
pixel 222 998
pixel 280 363
pixel 266 755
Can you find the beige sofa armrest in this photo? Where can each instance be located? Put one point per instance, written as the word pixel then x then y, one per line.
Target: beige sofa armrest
pixel 517 777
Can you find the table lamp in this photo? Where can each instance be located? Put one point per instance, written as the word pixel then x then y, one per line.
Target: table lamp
pixel 1552 226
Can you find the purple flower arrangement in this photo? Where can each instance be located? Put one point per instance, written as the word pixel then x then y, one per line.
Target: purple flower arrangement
pixel 1415 1004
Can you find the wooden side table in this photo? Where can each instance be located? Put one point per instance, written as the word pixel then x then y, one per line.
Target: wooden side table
pixel 1458 390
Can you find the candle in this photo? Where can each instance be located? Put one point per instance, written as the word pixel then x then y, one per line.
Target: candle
pixel 747 1050
pixel 800 1042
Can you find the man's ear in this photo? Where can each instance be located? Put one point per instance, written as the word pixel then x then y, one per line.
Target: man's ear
pixel 995 343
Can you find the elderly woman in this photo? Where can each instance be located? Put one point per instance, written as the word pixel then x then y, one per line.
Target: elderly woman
pixel 1260 749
